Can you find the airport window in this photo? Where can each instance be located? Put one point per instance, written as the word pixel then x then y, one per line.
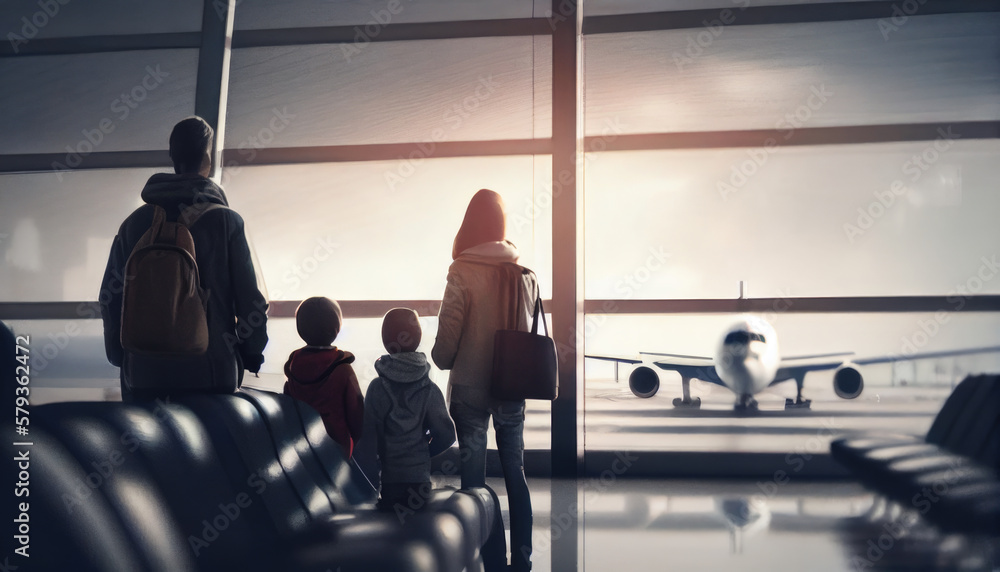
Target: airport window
pixel 30 20
pixel 683 198
pixel 428 91
pixel 618 7
pixel 111 102
pixel 372 15
pixel 362 214
pixel 668 166
pixel 897 397
pixel 786 77
pixel 59 254
pixel 816 220
pixel 759 162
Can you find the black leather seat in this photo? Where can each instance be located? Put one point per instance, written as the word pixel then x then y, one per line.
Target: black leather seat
pixel 300 462
pixel 301 512
pixel 951 476
pixel 122 479
pixel 223 482
pixel 72 525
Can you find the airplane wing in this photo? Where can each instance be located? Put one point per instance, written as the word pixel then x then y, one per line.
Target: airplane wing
pixel 692 367
pixel 790 368
pixel 788 371
pixel 927 355
pixel 631 361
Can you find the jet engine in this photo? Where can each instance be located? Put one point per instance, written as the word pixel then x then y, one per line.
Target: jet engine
pixel 847 382
pixel 644 382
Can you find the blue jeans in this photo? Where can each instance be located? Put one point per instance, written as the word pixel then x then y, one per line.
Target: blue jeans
pixel 471 424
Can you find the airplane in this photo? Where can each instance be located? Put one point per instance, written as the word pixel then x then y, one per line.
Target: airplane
pixel 747 361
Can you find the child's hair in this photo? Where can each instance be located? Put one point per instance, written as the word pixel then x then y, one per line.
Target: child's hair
pixel 401 330
pixel 318 320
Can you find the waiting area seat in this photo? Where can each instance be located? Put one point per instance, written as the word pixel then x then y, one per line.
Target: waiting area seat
pixel 249 481
pixel 950 477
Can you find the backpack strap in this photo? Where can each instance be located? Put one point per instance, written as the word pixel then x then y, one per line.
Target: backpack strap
pixel 189 214
pixel 155 228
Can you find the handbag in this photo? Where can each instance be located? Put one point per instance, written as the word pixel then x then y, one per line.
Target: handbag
pixel 525 365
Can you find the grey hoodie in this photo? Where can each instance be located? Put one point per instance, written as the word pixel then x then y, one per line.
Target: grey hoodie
pixel 402 405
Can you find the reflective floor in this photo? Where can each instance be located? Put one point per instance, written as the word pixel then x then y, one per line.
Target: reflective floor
pixel 683 525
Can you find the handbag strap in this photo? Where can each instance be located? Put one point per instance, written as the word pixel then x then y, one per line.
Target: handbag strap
pixel 539 310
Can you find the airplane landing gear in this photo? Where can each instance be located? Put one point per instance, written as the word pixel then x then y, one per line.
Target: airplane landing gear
pixel 746 404
pixel 799 402
pixel 686 401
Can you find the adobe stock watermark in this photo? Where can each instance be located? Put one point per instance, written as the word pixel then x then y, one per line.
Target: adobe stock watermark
pixel 540 203
pixel 105 467
pixel 122 107
pixel 699 42
pixel 31 25
pixel 279 121
pixel 797 459
pixel 363 35
pixel 741 173
pixel 222 7
pixel 214 525
pixel 454 117
pixel 915 167
pixel 55 342
pixel 900 16
pixel 298 273
pixel 928 328
pixel 627 287
pixel 592 489
pixel 324 249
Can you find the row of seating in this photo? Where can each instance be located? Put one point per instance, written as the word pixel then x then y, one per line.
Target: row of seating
pixel 249 481
pixel 950 477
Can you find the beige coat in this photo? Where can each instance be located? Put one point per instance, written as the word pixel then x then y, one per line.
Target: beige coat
pixel 478 301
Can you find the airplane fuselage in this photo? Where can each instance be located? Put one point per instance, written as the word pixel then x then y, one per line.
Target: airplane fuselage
pixel 746 358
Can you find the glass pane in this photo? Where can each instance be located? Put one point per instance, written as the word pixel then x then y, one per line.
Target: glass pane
pixel 80 104
pixel 933 69
pixel 390 92
pixel 254 14
pixel 605 7
pixel 68 361
pixel 30 19
pixel 896 398
pixel 56 231
pixel 383 230
pixel 841 220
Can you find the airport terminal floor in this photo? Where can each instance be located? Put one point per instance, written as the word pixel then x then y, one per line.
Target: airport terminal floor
pixel 623 519
pixel 735 525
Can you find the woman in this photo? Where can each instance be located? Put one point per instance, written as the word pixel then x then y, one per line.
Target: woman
pixel 486 291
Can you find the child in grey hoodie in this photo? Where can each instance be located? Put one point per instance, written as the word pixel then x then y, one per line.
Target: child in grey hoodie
pixel 406 419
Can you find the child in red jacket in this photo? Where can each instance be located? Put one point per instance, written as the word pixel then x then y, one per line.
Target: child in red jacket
pixel 321 375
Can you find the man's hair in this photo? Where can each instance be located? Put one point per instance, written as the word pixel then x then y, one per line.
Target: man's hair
pixel 189 141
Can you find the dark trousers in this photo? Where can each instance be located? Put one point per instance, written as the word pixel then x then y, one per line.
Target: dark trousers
pixel 508 421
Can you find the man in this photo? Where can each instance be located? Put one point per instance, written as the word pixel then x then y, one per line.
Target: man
pixel 235 308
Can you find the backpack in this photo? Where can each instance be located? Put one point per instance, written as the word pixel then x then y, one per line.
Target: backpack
pixel 164 307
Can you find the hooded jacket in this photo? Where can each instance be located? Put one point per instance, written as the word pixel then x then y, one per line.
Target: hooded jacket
pixel 401 407
pixel 336 395
pixel 479 299
pixel 236 308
